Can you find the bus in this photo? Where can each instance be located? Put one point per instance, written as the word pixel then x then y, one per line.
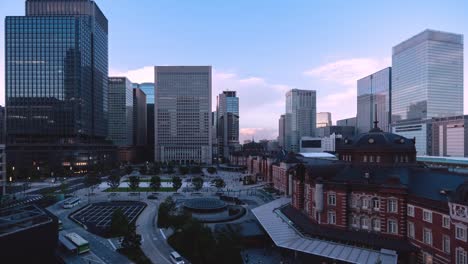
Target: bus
pixel 71 202
pixel 80 243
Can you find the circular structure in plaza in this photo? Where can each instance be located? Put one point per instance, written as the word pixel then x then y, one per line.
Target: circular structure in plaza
pixel 203 204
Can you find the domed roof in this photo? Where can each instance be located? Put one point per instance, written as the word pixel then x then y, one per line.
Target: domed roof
pixel 460 196
pixel 378 140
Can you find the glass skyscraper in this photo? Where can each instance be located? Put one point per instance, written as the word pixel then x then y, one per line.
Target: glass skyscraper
pixel 227 123
pixel 427 76
pixel 56 84
pixel 374 94
pixel 120 111
pixel 300 118
pixel 148 89
pixel 183 114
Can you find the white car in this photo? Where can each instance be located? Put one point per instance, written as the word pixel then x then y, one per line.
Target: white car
pixel 176 258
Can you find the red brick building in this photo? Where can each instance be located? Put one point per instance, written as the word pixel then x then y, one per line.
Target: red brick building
pixel 377 196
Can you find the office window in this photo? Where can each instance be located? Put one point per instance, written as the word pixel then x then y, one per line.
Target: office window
pixel 392 227
pixel 331 199
pixel 427 258
pixel 427 236
pixel 411 229
pixel 460 233
pixel 446 244
pixel 392 206
pixel 376 204
pixel 461 256
pixel 427 216
pixel 410 211
pixel 446 221
pixel 331 217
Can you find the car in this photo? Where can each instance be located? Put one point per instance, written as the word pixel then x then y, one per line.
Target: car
pixel 176 258
pixel 152 197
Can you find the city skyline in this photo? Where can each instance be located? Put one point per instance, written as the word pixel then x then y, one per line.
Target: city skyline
pixel 270 64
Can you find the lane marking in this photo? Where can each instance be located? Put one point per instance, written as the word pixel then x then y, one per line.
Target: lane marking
pixel 112 244
pixel 162 233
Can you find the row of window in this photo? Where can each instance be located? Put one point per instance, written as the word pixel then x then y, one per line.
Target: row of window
pixel 427 216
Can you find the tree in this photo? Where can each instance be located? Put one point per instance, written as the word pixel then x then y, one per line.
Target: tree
pixel 211 170
pixel 218 183
pixel 134 183
pixel 166 209
pixel 128 170
pixel 170 169
pixel 183 170
pixel 197 183
pixel 176 183
pixel 195 169
pixel 143 170
pixel 131 240
pixel 119 223
pixel 91 181
pixel 113 181
pixel 155 183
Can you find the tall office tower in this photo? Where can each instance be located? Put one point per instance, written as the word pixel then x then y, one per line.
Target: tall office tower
pixel 120 111
pixel 183 114
pixel 214 135
pixel 227 111
pixel 427 82
pixel 374 97
pixel 300 117
pixel 324 119
pixel 149 90
pixel 427 77
pixel 56 86
pixel 139 117
pixel 281 131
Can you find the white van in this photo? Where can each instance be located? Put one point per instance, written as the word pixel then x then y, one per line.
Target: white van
pixel 176 258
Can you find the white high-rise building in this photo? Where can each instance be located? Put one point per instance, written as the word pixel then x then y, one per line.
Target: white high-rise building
pixel 183 114
pixel 300 118
pixel 227 114
pixel 324 119
pixel 427 82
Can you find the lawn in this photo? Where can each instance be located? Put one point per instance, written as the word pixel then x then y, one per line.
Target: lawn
pixel 149 180
pixel 140 189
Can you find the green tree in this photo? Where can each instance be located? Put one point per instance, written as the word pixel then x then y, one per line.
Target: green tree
pixel 134 183
pixel 170 169
pixel 113 180
pixel 131 239
pixel 184 170
pixel 218 183
pixel 211 170
pixel 195 169
pixel 119 223
pixel 143 170
pixel 155 183
pixel 197 183
pixel 166 209
pixel 176 183
pixel 92 181
pixel 128 170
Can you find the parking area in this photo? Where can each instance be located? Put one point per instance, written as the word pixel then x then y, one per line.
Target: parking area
pixel 97 217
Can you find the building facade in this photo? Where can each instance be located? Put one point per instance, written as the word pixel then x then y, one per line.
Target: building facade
pixel 324 119
pixel 450 137
pixel 300 118
pixel 56 87
pixel 282 131
pixel 139 117
pixel 427 76
pixel 419 130
pixel 120 111
pixel 183 114
pixel 347 122
pixel 227 116
pixel 374 94
pixel 378 198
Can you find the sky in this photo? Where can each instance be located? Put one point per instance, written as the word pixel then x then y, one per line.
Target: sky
pixel 263 48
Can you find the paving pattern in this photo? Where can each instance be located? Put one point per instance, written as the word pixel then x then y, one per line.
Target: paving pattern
pixel 97 217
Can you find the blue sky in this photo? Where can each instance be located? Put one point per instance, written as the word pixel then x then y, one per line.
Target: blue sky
pixel 262 48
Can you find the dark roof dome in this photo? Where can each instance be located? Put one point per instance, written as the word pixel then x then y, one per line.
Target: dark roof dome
pixel 460 196
pixel 378 140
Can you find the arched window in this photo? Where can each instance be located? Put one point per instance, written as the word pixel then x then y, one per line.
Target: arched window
pixel 371 158
pixel 364 159
pixel 375 204
pixel 377 159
